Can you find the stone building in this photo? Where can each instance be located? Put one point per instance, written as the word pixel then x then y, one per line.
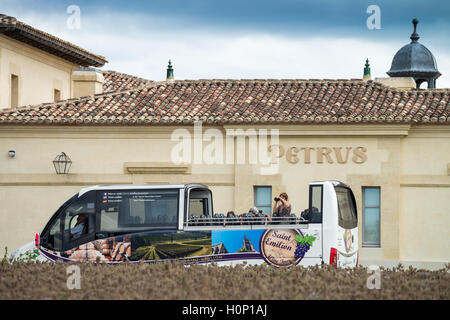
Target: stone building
pixel 385 138
pixel 247 245
pixel 219 248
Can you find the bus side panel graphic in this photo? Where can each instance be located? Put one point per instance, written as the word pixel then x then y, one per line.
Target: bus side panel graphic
pixel 147 246
pixel 276 247
pixel 170 245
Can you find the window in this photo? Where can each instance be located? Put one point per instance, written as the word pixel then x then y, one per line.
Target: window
pixel 347 210
pixel 198 207
pixel 130 210
pixel 56 95
pixel 315 213
pixel 263 198
pixel 200 202
pixel 74 225
pixel 371 216
pixel 14 91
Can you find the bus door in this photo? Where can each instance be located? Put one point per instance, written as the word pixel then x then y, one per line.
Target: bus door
pixel 314 217
pixel 347 230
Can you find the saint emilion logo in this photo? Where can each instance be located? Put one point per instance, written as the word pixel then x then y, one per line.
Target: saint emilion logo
pixel 286 247
pixel 278 247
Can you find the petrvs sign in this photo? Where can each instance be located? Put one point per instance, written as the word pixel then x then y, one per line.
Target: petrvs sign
pixel 308 155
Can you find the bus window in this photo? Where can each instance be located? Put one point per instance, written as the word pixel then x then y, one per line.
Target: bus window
pixel 130 210
pixel 346 207
pixel 314 214
pixel 200 202
pixel 73 225
pixel 199 209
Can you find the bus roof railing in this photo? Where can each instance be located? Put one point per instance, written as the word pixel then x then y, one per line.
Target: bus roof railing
pixel 243 220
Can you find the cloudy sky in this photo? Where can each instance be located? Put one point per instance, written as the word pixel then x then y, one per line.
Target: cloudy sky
pixel 244 39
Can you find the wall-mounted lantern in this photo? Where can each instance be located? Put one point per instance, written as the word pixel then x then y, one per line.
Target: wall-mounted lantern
pixel 11 153
pixel 62 163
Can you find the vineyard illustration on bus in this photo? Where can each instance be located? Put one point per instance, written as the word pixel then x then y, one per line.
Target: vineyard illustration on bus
pixel 153 223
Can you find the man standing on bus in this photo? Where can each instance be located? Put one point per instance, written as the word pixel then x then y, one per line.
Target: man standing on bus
pixel 282 207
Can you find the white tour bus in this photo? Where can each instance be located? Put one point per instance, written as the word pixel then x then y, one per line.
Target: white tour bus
pixel 115 223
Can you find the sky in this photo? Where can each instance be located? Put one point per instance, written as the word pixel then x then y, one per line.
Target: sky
pixel 234 240
pixel 244 39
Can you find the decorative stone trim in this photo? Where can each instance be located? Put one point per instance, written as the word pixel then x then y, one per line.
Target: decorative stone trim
pixel 156 168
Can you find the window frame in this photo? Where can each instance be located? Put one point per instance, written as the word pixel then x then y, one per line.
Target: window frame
pixel 91 230
pixel 310 206
pixel 83 238
pixel 209 204
pixel 255 187
pixel 14 90
pixel 371 244
pixel 109 233
pixel 57 214
pixel 56 95
pixel 186 223
pixel 352 201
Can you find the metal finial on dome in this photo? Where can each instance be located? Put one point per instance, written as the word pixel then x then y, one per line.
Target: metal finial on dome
pixel 414 36
pixel 366 75
pixel 169 72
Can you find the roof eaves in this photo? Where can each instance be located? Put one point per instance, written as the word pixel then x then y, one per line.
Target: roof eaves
pixel 20 31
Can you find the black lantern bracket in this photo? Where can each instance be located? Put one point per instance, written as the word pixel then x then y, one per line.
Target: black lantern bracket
pixel 62 163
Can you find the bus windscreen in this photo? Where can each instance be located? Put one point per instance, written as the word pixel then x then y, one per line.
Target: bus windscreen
pixel 346 207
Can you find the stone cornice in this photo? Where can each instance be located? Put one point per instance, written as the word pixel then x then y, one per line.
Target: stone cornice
pixel 146 132
pixel 335 130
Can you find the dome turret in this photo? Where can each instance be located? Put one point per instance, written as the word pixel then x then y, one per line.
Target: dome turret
pixel 416 61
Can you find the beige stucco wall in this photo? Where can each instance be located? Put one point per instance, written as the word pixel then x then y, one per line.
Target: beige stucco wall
pixel 39 73
pixel 25 210
pixel 409 165
pixel 425 195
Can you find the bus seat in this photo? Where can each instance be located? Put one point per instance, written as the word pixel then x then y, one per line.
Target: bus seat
pixel 305 214
pixel 204 220
pixel 136 220
pixel 276 219
pixel 313 216
pixel 293 219
pixel 217 219
pixel 232 220
pixel 193 220
pixel 260 218
pixel 249 219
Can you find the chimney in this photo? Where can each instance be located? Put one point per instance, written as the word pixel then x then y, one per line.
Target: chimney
pixel 87 82
pixel 169 77
pixel 366 75
pixel 402 83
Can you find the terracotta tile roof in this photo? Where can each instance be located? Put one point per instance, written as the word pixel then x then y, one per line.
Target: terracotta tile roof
pixel 13 28
pixel 117 81
pixel 244 102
